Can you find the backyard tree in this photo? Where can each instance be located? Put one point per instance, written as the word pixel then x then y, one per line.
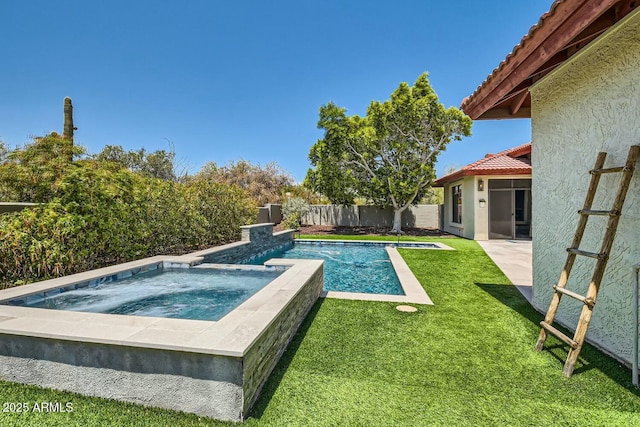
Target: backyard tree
pixel 388 156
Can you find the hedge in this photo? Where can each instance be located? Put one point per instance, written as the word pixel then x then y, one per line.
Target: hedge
pixel 97 215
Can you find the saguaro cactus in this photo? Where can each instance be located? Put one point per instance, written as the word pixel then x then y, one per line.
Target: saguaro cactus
pixel 68 128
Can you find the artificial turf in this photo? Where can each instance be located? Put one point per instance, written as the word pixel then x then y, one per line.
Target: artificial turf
pixel 467 360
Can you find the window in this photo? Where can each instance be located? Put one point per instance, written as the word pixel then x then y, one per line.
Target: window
pixel 456 204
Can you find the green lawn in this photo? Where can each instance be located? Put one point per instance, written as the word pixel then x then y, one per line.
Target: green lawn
pixel 468 360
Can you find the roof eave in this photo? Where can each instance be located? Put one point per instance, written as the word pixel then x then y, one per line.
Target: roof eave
pixel 559 34
pixel 487 172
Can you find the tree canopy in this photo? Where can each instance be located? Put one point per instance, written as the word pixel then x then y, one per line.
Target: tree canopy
pixel 388 156
pixel 156 164
pixel 264 184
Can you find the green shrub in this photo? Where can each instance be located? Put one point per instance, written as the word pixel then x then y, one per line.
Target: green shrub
pixel 224 208
pixel 97 215
pixel 38 243
pixel 292 221
pixel 29 174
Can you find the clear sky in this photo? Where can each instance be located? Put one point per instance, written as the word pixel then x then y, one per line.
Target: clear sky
pixel 244 79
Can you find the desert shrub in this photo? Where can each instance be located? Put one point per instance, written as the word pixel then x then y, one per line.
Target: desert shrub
pixel 168 217
pixel 157 164
pixel 293 210
pixel 295 205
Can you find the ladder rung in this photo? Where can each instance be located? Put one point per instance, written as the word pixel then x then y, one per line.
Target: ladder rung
pixel 585 253
pixel 567 292
pixel 612 212
pixel 562 337
pixel 596 279
pixel 607 170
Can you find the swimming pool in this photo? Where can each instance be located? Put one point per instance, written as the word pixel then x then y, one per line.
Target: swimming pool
pixel 364 270
pixel 348 267
pixel 201 293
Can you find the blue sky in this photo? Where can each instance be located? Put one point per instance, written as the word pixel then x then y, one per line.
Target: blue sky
pixel 229 80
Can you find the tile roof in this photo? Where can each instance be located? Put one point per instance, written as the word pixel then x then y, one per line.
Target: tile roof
pixel 514 52
pixel 560 33
pixel 502 163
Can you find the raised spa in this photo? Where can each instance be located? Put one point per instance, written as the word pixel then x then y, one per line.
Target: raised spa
pixel 214 368
pixel 201 293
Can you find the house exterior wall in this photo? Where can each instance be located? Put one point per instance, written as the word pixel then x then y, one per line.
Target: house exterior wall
pixel 475 220
pixel 481 229
pixel 589 104
pixel 466 229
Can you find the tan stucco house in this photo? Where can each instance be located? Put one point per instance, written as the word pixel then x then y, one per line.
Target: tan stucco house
pixel 490 198
pixel 576 74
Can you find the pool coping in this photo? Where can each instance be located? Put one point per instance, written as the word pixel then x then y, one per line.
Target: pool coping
pixel 414 293
pixel 232 335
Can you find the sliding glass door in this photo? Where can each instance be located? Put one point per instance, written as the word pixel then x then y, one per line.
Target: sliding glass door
pixel 510 208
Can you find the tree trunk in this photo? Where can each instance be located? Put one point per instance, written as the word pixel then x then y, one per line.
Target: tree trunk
pixel 397 220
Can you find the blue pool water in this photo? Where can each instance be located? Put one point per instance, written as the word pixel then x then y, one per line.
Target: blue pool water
pixel 199 294
pixel 348 267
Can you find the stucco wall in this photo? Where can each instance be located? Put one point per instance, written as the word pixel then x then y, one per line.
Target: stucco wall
pixel 481 229
pixel 205 384
pixel 466 229
pixel 475 220
pixel 590 104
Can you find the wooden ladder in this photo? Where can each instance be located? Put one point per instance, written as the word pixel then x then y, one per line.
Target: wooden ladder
pixel 601 257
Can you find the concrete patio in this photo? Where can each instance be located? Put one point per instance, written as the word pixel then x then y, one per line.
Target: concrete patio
pixel 515 260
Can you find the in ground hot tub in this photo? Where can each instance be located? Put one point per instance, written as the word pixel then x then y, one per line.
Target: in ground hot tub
pixel 214 368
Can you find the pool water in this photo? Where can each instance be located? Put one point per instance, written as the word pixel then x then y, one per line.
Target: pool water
pixel 349 267
pixel 195 293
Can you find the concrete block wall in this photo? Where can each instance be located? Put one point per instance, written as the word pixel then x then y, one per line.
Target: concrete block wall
pixel 373 216
pixel 347 216
pixel 14 207
pixel 271 213
pixel 275 213
pixel 263 215
pixel 420 216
